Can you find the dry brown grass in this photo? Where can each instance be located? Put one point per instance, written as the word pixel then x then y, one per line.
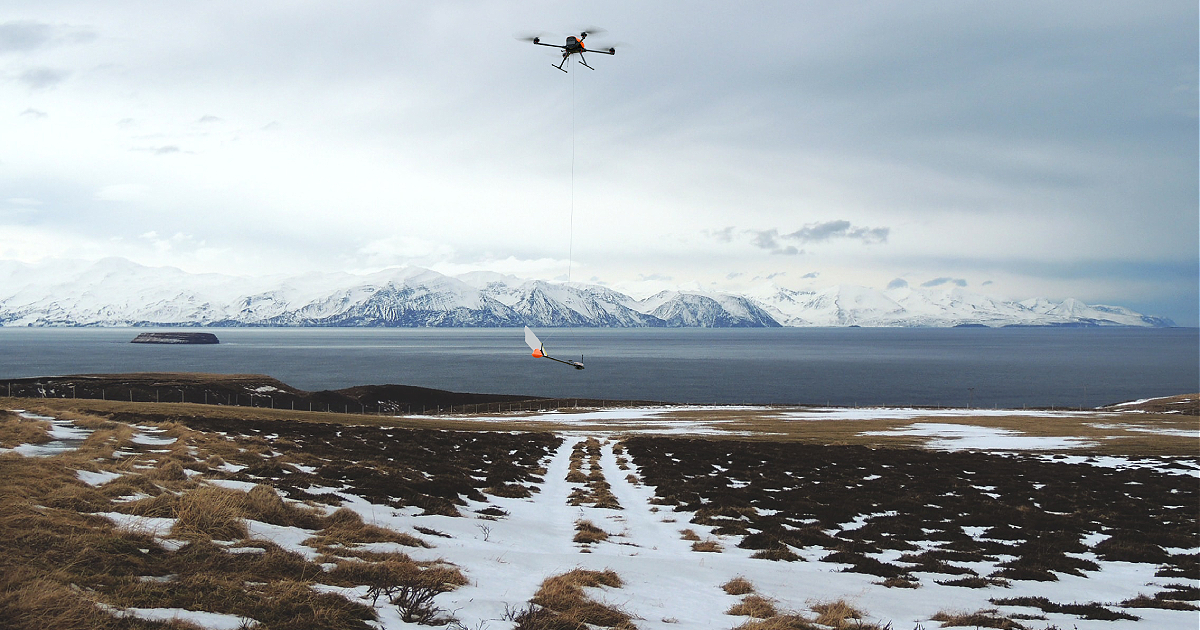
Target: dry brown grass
pixel 587 532
pixel 900 582
pixel 576 476
pixel 15 430
pixel 707 546
pixel 263 503
pixel 754 606
pixel 979 619
pixel 35 603
pixel 564 604
pixel 597 491
pixel 688 534
pixel 509 490
pixel 346 527
pixel 738 586
pixel 837 614
pixel 162 505
pixel 411 586
pixel 170 470
pixel 216 513
pixel 780 622
pixel 56 560
pixel 779 554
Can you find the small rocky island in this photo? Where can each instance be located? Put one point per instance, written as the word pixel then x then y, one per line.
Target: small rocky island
pixel 176 338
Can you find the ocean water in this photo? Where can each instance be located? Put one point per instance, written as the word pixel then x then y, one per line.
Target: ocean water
pixel 1008 367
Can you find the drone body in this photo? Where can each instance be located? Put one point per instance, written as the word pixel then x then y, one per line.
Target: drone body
pixel 574 46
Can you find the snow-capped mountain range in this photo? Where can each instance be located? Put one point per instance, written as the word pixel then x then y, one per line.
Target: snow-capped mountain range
pixel 118 292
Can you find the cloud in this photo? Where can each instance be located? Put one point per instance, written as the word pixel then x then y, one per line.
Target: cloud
pixel 898 283
pixel 810 233
pixel 944 280
pixel 27 35
pixel 23 36
pixel 42 77
pixel 207 118
pixel 769 239
pixel 723 235
pixel 170 148
pixel 765 239
pixel 34 113
pixel 811 274
pixel 818 232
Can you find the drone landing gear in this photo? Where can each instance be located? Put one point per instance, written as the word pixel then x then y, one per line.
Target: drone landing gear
pixel 568 56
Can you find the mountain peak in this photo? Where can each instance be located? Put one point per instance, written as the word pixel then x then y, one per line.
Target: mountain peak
pixel 119 292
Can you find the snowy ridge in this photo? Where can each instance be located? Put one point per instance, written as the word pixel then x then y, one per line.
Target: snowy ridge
pixel 117 292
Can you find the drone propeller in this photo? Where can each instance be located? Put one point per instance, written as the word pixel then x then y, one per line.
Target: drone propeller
pixel 591 30
pixel 533 37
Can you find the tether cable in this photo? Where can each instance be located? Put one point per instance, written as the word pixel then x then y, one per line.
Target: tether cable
pixel 571 228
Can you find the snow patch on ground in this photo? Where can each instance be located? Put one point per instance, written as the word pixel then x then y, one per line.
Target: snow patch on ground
pixel 64 436
pixel 1112 461
pixel 912 413
pixel 289 538
pixel 207 620
pixel 965 437
pixel 149 440
pixel 243 486
pixel 150 525
pixel 1187 433
pixel 96 478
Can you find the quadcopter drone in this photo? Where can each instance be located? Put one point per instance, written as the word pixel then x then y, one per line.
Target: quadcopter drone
pixel 574 46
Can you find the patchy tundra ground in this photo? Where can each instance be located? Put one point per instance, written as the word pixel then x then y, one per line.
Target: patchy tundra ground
pixel 148 516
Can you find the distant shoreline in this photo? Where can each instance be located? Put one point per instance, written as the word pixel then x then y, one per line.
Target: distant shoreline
pixel 259 390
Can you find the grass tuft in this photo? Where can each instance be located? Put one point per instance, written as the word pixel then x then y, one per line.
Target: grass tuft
pixel 564 605
pixel 978 619
pixel 346 527
pixel 754 606
pixel 780 622
pixel 782 553
pixel 837 614
pixel 587 532
pixel 215 513
pixel 738 586
pixel 170 470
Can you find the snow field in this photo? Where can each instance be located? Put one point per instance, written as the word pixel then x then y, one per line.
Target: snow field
pixel 667 585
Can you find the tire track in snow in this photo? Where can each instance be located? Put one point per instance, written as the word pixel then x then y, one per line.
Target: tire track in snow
pixel 667 584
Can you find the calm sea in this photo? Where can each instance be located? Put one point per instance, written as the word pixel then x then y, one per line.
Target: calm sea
pixel 1011 367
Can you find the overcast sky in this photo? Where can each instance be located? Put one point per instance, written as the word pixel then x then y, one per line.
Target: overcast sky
pixel 1017 149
